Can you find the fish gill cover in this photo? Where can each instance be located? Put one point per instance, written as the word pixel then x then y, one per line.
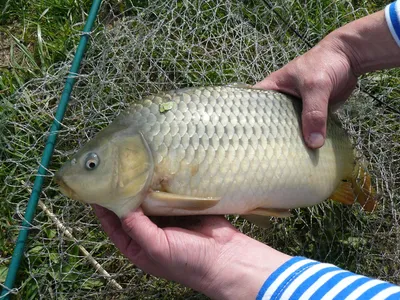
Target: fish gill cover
pixel 143 47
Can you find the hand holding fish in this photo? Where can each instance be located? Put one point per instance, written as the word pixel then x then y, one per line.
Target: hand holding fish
pixel 205 253
pixel 321 76
pixel 327 74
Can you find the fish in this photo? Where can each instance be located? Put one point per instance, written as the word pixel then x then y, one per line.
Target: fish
pixel 217 150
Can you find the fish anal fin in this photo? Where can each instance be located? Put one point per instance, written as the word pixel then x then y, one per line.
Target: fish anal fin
pixel 183 201
pixel 357 188
pixel 343 193
pixel 363 190
pixel 270 212
pixel 260 221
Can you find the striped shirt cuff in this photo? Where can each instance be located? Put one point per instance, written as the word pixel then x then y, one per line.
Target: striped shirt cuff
pixel 306 279
pixel 392 16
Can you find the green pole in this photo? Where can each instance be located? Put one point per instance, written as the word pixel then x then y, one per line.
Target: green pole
pixel 48 152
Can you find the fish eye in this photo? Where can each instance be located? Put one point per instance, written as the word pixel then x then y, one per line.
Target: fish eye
pixel 92 161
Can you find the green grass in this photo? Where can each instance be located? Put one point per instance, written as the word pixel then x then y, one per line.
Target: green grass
pixel 38 36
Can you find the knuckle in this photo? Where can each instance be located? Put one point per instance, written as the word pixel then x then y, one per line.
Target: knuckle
pixel 317 81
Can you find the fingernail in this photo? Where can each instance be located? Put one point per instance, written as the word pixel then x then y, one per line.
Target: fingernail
pixel 315 140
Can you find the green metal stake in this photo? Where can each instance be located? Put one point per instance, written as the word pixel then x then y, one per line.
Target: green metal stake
pixel 48 152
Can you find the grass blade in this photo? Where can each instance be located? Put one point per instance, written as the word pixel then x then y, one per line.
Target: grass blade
pixel 41 48
pixel 29 56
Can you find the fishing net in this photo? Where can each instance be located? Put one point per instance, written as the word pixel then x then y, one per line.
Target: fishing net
pixel 142 47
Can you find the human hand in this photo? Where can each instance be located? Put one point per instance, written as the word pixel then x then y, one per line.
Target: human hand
pixel 206 253
pixel 322 75
pixel 327 74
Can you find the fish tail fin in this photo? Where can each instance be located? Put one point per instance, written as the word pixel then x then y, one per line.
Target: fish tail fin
pixel 357 188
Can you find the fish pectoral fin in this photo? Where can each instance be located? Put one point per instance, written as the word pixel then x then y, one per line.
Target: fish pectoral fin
pixel 183 201
pixel 260 221
pixel 271 212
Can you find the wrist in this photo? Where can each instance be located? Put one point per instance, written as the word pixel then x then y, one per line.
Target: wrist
pixel 367 43
pixel 241 271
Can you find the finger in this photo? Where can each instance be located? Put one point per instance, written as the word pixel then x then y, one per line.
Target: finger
pixel 208 226
pixel 267 84
pixel 145 233
pixel 174 221
pixel 314 117
pixel 281 80
pixel 216 227
pixel 196 223
pixel 112 227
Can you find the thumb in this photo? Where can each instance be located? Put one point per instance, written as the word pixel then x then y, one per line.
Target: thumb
pixel 281 80
pixel 314 118
pixel 145 233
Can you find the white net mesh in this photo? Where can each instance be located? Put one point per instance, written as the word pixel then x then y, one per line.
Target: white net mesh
pixel 143 47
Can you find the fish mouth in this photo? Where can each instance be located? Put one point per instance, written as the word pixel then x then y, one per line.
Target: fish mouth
pixel 64 188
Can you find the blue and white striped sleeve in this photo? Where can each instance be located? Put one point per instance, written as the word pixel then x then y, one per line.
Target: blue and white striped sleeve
pixel 392 16
pixel 306 279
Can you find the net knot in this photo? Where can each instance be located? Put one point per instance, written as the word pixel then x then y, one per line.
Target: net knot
pixel 86 33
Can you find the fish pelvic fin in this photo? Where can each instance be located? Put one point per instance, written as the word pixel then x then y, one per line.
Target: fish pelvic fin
pixel 357 188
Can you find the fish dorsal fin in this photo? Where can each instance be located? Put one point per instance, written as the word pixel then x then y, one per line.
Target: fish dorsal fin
pixel 270 212
pixel 260 221
pixel 183 201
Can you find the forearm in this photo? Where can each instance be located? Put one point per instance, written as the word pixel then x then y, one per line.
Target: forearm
pixel 240 275
pixel 253 270
pixel 368 44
